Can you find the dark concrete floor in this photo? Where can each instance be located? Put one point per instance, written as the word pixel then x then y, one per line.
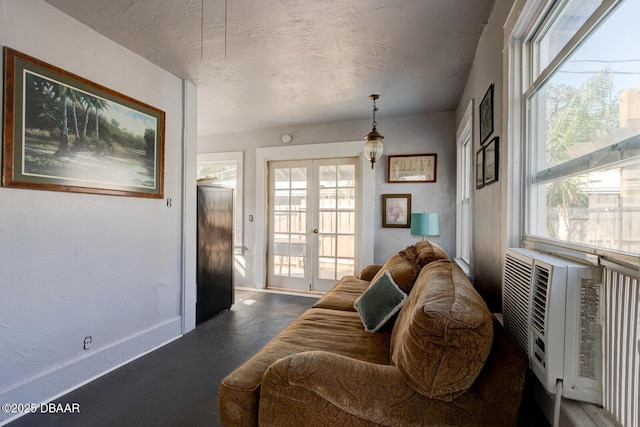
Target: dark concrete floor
pixel 177 385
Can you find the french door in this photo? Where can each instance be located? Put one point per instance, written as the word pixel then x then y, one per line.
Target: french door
pixel 312 231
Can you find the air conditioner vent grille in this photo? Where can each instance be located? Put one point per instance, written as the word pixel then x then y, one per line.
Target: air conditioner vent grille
pixel 517 288
pixel 552 310
pixel 539 300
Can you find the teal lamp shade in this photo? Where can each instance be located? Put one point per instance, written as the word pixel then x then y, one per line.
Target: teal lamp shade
pixel 425 224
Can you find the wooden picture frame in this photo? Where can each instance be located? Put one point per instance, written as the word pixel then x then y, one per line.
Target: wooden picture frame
pixel 480 168
pixel 486 115
pixel 491 161
pixel 396 210
pixel 63 132
pixel 412 168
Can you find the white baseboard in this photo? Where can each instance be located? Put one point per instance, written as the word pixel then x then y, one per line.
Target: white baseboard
pixel 62 379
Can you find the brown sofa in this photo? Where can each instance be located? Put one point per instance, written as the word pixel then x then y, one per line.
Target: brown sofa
pixel 444 359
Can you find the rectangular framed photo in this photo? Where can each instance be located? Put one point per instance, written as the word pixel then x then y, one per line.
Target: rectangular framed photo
pixel 486 115
pixel 412 168
pixel 480 168
pixel 491 161
pixel 396 210
pixel 63 132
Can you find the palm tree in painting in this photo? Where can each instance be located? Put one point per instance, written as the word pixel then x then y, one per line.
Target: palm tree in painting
pixel 150 143
pixel 41 99
pixel 87 104
pixel 74 101
pixel 63 147
pixel 99 105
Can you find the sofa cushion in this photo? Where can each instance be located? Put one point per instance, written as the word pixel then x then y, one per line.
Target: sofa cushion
pixel 343 294
pixel 403 267
pixel 379 302
pixel 428 251
pixel 336 331
pixel 369 272
pixel 443 334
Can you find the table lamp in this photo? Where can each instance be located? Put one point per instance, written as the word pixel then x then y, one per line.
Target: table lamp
pixel 425 224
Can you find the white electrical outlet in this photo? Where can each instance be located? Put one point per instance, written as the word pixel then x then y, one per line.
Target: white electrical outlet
pixel 87 343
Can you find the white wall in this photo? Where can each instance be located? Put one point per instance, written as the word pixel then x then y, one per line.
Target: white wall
pixel 434 133
pixel 489 207
pixel 73 265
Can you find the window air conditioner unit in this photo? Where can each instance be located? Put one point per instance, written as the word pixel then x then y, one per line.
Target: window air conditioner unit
pixel 551 308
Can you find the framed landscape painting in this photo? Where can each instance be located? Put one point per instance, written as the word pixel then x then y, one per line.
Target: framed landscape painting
pixel 63 132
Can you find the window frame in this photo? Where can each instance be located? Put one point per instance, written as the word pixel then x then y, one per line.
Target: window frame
pixel 464 193
pixel 535 18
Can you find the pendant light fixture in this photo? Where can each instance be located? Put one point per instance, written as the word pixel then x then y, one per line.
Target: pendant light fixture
pixel 373 147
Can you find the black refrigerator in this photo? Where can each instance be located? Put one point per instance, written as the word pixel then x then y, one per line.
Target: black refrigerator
pixel 215 251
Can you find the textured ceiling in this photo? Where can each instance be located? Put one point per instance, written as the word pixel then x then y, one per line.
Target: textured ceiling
pixel 267 63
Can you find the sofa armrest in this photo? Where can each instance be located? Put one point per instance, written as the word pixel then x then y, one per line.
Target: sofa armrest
pixel 311 387
pixel 369 272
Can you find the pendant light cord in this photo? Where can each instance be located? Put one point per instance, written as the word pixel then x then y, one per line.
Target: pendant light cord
pixel 225 29
pixel 202 29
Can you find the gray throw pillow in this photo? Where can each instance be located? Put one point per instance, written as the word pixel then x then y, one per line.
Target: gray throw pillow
pixel 382 299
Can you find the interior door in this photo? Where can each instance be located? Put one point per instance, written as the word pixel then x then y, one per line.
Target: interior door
pixel 312 232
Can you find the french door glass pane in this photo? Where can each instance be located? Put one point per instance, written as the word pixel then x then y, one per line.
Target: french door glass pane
pixel 282 200
pixel 327 222
pixel 283 179
pixel 346 222
pixel 345 267
pixel 297 267
pixel 289 222
pixel 327 176
pixel 327 246
pixel 281 265
pixel 281 244
pixel 327 198
pixel 313 239
pixel 345 246
pixel 337 216
pixel 298 200
pixel 298 222
pixel 327 268
pixel 299 178
pixel 346 198
pixel 346 176
pixel 281 222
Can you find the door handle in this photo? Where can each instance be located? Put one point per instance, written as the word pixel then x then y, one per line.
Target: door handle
pixel 315 231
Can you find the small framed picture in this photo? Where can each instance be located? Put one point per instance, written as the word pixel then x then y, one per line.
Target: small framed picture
pixel 486 115
pixel 480 168
pixel 491 161
pixel 412 168
pixel 396 210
